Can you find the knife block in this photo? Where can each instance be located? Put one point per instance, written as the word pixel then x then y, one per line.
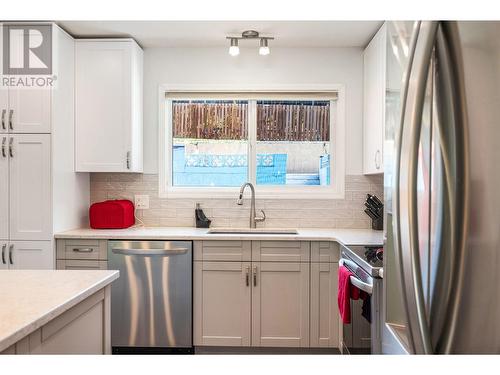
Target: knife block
pixel 378 224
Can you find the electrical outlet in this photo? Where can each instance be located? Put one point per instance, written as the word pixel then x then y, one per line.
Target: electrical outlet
pixel 141 202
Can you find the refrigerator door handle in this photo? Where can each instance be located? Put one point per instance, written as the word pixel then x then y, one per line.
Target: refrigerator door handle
pixel 451 110
pixel 406 204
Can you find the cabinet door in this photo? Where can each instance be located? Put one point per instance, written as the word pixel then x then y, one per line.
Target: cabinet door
pixel 103 106
pixel 30 187
pixel 222 303
pixel 280 304
pixel 31 255
pixel 225 251
pixel 374 103
pixel 325 319
pixel 29 110
pixel 4 187
pixel 71 264
pixel 280 251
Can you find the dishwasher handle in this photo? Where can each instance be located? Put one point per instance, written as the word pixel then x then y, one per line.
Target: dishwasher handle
pixel 146 252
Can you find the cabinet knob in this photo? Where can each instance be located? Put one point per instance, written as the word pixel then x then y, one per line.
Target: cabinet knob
pixel 128 159
pixel 255 276
pixel 4 140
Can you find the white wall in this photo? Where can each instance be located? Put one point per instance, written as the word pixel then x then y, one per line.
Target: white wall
pixel 282 66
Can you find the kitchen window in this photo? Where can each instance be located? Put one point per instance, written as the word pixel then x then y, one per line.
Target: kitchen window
pixel 289 144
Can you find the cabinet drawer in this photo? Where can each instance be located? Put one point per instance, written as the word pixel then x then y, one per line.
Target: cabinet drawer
pixel 72 264
pixel 230 251
pixel 280 251
pixel 325 252
pixel 82 249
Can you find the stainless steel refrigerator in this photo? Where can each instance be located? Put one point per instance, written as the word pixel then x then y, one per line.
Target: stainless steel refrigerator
pixel 441 188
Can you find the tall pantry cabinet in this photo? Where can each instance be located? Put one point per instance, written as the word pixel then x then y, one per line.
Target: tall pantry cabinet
pixel 40 193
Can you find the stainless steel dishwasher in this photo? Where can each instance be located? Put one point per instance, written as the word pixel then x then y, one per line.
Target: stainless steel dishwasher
pixel 151 302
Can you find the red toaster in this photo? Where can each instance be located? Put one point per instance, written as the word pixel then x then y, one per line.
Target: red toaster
pixel 112 214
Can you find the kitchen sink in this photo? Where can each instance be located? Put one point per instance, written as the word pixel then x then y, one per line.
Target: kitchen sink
pixel 251 231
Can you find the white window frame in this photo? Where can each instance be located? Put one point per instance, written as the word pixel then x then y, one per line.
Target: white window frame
pixel 336 190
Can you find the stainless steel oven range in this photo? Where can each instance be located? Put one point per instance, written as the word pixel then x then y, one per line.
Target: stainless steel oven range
pixel 362 335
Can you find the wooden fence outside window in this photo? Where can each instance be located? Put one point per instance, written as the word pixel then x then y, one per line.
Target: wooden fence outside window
pixel 276 121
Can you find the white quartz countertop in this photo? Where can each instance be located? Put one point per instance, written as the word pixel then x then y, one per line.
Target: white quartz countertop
pixel 344 236
pixel 31 298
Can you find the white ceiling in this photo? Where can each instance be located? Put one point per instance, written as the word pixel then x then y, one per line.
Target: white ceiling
pixel 213 33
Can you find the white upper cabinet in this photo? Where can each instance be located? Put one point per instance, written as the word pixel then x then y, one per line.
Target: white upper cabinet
pixel 374 88
pixel 29 110
pixel 23 109
pixel 30 187
pixel 108 106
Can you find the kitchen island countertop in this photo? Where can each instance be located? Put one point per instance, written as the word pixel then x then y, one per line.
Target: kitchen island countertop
pixel 32 298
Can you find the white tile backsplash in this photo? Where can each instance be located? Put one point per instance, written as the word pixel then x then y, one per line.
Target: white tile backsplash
pixel 302 213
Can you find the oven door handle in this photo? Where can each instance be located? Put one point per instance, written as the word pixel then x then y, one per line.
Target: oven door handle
pixel 365 287
pixel 368 288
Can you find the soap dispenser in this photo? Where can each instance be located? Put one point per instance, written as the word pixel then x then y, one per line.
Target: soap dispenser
pixel 201 220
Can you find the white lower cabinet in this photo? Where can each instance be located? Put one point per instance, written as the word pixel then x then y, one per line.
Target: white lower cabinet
pixel 280 304
pixel 325 320
pixel 222 295
pixel 25 255
pixel 265 303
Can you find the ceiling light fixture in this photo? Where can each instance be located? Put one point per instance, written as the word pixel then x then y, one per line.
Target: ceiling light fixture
pixel 264 48
pixel 234 50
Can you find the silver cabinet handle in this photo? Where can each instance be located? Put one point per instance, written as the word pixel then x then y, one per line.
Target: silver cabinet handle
pixel 11 114
pixel 4 247
pixel 377 159
pixel 83 250
pixel 164 252
pixel 4 111
pixel 11 147
pixel 11 249
pixel 128 159
pixel 254 275
pixel 4 140
pixel 247 275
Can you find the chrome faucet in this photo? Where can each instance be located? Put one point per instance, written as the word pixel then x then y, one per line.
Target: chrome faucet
pixel 253 218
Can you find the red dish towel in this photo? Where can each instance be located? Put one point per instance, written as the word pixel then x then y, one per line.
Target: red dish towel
pixel 346 292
